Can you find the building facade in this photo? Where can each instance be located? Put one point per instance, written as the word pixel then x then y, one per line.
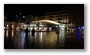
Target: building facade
pixel 62 17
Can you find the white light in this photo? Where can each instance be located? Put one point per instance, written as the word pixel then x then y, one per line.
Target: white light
pixel 7 25
pixel 17 28
pixel 24 25
pixel 23 16
pixel 72 29
pixel 35 28
pixel 7 33
pixel 82 27
pixel 40 28
pixel 4 27
pixel 41 25
pixel 61 26
pixel 31 28
pixel 49 21
pixel 12 26
pixel 56 26
pixel 32 24
pixel 67 28
pixel 45 28
pixel 28 28
pixel 50 28
pixel 41 36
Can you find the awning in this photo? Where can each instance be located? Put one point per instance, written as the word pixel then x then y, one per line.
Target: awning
pixel 49 21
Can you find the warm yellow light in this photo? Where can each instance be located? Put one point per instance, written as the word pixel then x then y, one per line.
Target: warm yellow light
pixel 12 33
pixel 7 33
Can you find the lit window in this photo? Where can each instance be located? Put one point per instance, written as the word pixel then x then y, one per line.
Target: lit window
pixel 7 25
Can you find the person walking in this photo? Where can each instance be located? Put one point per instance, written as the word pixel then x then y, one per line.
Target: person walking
pixel 33 32
pixel 26 31
pixel 26 39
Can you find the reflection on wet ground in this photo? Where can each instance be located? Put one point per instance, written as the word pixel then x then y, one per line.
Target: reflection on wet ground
pixel 43 40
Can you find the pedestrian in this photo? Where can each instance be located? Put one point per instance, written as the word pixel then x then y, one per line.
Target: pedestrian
pixel 26 31
pixel 33 32
pixel 26 38
pixel 21 29
pixel 57 31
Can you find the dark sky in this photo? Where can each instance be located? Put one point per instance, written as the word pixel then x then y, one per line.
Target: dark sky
pixel 39 9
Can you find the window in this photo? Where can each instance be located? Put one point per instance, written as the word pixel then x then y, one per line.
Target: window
pixel 50 16
pixel 50 19
pixel 59 18
pixel 64 15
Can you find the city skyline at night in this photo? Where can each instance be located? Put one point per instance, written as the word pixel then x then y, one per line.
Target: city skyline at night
pixel 44 26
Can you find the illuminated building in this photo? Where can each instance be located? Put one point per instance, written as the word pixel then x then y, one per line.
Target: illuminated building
pixel 63 17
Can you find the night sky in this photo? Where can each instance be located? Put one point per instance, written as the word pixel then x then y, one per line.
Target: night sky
pixel 40 9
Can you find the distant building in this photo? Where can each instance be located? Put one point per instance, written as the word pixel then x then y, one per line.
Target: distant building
pixel 66 18
pixel 62 17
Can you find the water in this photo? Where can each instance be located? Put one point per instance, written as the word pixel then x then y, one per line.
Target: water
pixel 43 40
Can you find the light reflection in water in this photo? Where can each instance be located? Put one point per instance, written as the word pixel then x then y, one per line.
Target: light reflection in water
pixel 35 37
pixel 12 33
pixel 40 38
pixel 17 39
pixel 61 38
pixel 7 33
pixel 22 39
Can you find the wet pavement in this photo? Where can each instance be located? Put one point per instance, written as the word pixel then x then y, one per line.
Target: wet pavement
pixel 43 40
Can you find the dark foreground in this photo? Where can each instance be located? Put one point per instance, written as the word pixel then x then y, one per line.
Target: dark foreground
pixel 43 40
